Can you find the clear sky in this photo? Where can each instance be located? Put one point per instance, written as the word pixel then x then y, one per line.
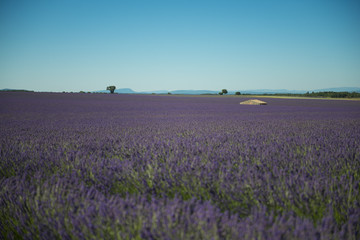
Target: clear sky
pixel 73 45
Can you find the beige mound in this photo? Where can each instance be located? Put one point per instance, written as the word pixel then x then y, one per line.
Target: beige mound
pixel 254 102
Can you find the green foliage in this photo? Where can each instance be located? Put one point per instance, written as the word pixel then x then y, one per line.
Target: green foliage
pixel 224 91
pixel 237 93
pixel 334 94
pixel 111 89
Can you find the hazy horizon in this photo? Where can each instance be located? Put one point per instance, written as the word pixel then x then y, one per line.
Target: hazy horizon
pixel 338 89
pixel 177 45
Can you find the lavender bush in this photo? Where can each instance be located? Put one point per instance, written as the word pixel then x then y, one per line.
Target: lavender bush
pixel 96 166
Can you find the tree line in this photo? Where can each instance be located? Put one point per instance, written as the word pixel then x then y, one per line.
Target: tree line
pixel 328 94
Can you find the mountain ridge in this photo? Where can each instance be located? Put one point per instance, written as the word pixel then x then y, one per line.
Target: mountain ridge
pixel 198 92
pixel 252 91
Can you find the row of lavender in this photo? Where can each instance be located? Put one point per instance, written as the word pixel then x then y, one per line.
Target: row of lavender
pixel 83 166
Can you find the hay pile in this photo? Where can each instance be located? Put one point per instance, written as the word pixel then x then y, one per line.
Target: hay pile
pixel 254 102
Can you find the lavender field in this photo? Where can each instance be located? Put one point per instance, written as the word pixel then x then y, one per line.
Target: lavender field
pixel 101 166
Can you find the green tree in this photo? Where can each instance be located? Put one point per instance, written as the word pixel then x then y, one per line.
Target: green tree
pixel 237 93
pixel 224 91
pixel 111 89
pixel 221 93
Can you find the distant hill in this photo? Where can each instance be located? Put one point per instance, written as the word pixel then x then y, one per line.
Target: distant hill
pixel 156 91
pixel 120 90
pixel 274 91
pixel 340 89
pixel 15 90
pixel 194 92
pixel 271 91
pixel 257 91
pixel 124 90
pixel 230 92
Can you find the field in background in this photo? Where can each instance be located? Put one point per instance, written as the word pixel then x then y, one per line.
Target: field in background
pixel 101 166
pixel 260 96
pixel 314 98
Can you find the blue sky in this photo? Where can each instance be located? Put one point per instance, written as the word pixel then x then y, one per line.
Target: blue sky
pixel 72 45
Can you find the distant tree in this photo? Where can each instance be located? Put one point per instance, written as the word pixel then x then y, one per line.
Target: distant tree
pixel 221 93
pixel 82 92
pixel 224 91
pixel 169 93
pixel 111 89
pixel 237 93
